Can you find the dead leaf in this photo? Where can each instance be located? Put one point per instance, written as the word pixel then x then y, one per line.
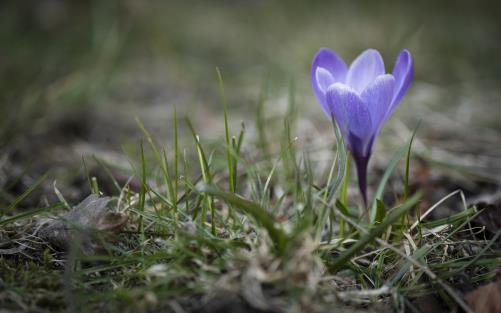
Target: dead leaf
pixel 80 225
pixel 486 299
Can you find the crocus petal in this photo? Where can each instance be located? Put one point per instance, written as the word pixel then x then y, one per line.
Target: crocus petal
pixel 403 72
pixel 327 67
pixel 324 79
pixel 352 115
pixel 378 96
pixel 366 67
pixel 359 120
pixel 339 97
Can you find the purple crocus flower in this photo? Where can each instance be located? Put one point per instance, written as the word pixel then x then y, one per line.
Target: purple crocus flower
pixel 361 98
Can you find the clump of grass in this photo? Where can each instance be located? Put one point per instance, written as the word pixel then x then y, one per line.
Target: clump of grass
pixel 219 223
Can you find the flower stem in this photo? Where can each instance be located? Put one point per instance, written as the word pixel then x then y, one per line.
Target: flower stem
pixel 361 163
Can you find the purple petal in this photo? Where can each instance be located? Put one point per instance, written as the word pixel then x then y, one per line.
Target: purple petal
pixel 366 67
pixel 327 68
pixel 378 96
pixel 352 115
pixel 403 72
pixel 324 79
pixel 339 98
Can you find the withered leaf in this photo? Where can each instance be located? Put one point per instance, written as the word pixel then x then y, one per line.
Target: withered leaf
pixel 82 223
pixel 486 299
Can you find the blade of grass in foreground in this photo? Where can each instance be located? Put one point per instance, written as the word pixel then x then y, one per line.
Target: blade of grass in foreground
pixel 142 197
pixel 237 144
pixel 375 232
pixel 276 234
pixel 387 173
pixel 341 156
pixel 407 163
pixel 108 172
pixel 29 214
pixel 342 162
pixel 162 161
pixel 26 193
pixel 176 159
pixel 229 159
pixel 204 165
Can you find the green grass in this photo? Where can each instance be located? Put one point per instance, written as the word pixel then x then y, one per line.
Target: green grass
pixel 209 221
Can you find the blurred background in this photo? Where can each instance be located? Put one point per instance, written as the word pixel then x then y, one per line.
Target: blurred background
pixel 74 75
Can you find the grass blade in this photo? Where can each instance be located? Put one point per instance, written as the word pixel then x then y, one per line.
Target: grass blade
pixel 276 234
pixel 142 194
pixel 31 213
pixel 407 164
pixel 375 232
pixel 176 160
pixel 229 159
pixel 387 173
pixel 204 165
pixel 341 156
pixel 27 192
